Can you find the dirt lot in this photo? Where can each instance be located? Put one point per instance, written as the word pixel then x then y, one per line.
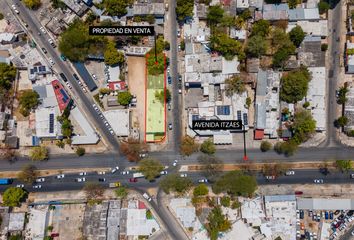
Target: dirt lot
pixel 136 83
pixel 67 221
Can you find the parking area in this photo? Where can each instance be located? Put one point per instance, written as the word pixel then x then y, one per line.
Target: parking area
pixel 67 220
pixel 323 224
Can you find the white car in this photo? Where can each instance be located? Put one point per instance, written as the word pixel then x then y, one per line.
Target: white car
pixel 81 179
pixel 115 169
pixel 203 180
pixel 83 173
pixel 175 163
pixel 20 185
pixel 84 89
pixel 68 84
pixel 143 155
pixel 183 175
pixel 163 172
pixel 94 76
pixel 40 179
pixel 147 197
pixel 112 132
pixel 288 173
pixel 37 186
pixel 13 6
pixel 125 172
pixel 43 30
pixel 352 233
pixel 318 181
pixel 17 11
pixel 101 173
pixel 60 176
pixel 51 61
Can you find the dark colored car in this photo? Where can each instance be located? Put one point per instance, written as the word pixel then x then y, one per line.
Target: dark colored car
pixel 350 213
pixel 76 76
pixel 179 77
pixel 62 75
pixel 298 192
pixel 133 179
pixel 44 50
pixel 101 179
pixel 302 214
pixel 324 171
pixel 169 80
pixel 330 215
pixel 336 212
pixel 326 215
pixel 341 217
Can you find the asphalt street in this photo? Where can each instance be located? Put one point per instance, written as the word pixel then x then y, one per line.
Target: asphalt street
pixel 42 41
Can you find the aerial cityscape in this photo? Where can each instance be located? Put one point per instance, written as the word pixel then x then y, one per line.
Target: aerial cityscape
pixel 176 119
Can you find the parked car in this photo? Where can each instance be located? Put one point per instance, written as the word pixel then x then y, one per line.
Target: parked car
pixel 270 177
pixel 76 76
pixel 288 173
pixel 51 61
pixel 133 179
pixel 101 173
pixel 298 192
pixel 115 169
pixel 169 80
pixel 336 212
pixel 147 197
pixel 83 173
pixel 60 176
pixel 183 175
pixel 204 180
pixel 20 185
pixel 44 50
pixel 170 126
pixel 331 215
pixel 169 107
pixel 302 214
pixel 37 186
pixel 326 215
pixel 81 179
pixel 352 175
pixel 43 30
pixel 324 171
pixel 125 172
pixel 101 179
pixel 163 172
pixel 175 163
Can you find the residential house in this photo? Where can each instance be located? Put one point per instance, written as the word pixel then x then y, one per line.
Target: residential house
pixel 304 14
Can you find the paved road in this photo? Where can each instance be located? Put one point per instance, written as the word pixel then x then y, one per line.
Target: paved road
pixel 42 41
pixel 176 99
pixel 335 25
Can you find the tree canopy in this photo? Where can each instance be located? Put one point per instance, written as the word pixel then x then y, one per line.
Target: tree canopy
pixel 303 127
pixel 32 4
pixel 28 174
pixel 13 196
pixel 234 85
pixel 175 183
pixel 184 9
pixel 7 75
pixel 124 98
pixel 208 147
pixel 76 43
pixel 261 28
pixel 29 99
pixel 116 7
pixel 226 46
pixel 215 15
pixel 121 192
pixel 188 146
pixel 80 151
pixel 342 95
pixel 93 191
pixel 341 121
pixel 156 68
pixel 294 85
pixel 292 3
pixel 344 165
pixel 39 153
pixel 236 183
pixel 265 146
pixel 217 222
pixel 112 56
pixel 200 190
pixel 297 35
pixel 256 46
pixel 323 7
pixel 211 166
pixel 132 148
pixel 151 168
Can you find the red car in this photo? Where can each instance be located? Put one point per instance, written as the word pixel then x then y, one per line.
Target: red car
pixel 54 235
pixel 133 179
pixel 298 193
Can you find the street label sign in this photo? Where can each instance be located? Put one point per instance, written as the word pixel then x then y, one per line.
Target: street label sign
pixel 217 124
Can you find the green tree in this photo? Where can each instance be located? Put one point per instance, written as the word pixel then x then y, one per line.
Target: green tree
pixel 261 27
pixel 246 14
pixel 80 151
pixel 150 19
pixel 236 183
pixel 161 96
pixel 217 222
pixel 215 15
pixel 66 128
pixel 344 165
pixel 32 4
pixel 281 56
pixel 342 95
pixel 124 98
pixel 58 4
pixel 248 102
pixel 225 201
pixel 341 121
pixel 306 105
pixel 324 47
pixel 188 146
pixel 265 146
pixel 303 127
pixel 323 7
pixel 13 196
pixel 151 168
pixel 297 35
pixel 93 191
pixel 184 9
pixel 28 174
pixel 112 56
pixel 175 183
pixel 60 144
pixel 234 85
pixel 294 85
pixel 292 3
pixel 1 16
pixel 183 45
pixel 29 99
pixel 211 166
pixel 153 67
pixel 200 190
pixel 7 75
pixel 76 43
pixel 208 147
pixel 280 38
pixel 121 192
pixel 256 46
pixel 39 153
pixel 226 46
pixel 15 237
pixel 116 7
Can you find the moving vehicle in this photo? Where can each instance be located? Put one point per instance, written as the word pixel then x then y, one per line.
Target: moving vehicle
pixel 270 177
pixel 76 76
pixel 133 179
pixel 138 175
pixel 44 50
pixel 115 169
pixel 62 56
pixel 203 180
pixel 43 30
pixel 83 173
pixel 175 163
pixel 40 179
pixel 125 172
pixel 183 175
pixel 147 197
pixel 81 179
pixel 51 42
pixel 51 61
pixel 115 184
pixel 101 179
pixel 170 126
pixel 101 173
pixel 62 75
pixel 318 181
pixel 20 185
pixel 163 172
pixel 169 107
pixel 37 186
pixel 5 181
pixel 60 176
pixel 288 173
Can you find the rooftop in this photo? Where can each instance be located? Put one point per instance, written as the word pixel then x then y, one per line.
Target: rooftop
pixel 90 136
pixel 38 218
pixel 121 127
pixel 17 221
pixel 325 203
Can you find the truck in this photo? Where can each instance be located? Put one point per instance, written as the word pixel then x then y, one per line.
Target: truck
pixel 5 181
pixel 115 184
pixel 138 175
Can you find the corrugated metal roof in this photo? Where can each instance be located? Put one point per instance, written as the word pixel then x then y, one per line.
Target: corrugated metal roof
pixel 325 204
pixel 279 198
pixel 85 75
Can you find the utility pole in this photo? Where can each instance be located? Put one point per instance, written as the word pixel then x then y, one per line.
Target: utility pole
pixel 245 158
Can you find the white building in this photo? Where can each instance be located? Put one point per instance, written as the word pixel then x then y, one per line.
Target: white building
pixel 37 223
pixel 90 135
pixel 314 28
pixel 119 121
